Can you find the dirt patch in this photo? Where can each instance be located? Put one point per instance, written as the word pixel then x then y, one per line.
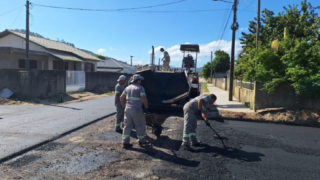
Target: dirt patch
pixel 294 117
pixel 68 98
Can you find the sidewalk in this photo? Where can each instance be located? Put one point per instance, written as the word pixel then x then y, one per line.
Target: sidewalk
pixel 223 102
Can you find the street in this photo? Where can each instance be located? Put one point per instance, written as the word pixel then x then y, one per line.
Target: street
pixel 22 127
pixel 255 151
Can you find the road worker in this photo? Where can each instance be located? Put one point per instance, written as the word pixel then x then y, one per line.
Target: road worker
pixel 132 99
pixel 165 59
pixel 196 106
pixel 120 111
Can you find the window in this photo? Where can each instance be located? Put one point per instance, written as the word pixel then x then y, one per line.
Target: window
pixel 57 65
pixel 32 64
pixel 66 65
pixel 89 67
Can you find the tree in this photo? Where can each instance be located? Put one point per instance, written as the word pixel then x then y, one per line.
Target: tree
pixel 288 50
pixel 221 62
pixel 101 57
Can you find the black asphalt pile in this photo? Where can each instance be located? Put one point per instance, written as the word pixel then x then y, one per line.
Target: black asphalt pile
pixel 163 86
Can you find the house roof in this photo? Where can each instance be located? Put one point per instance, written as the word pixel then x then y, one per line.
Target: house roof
pixel 53 45
pixel 112 63
pixel 64 56
pixel 110 70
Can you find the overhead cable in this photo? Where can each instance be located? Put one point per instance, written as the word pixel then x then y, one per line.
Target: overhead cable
pixel 122 9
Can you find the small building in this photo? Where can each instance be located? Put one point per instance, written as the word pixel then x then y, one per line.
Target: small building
pixel 44 54
pixel 115 66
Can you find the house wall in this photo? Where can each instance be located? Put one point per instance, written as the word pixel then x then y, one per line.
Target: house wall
pixel 28 84
pixel 10 60
pixel 18 42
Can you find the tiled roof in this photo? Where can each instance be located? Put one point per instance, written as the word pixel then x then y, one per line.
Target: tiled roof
pixel 112 63
pixel 54 45
pixel 64 56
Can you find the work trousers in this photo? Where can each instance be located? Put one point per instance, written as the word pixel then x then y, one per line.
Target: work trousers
pixel 165 65
pixel 134 118
pixel 120 116
pixel 190 125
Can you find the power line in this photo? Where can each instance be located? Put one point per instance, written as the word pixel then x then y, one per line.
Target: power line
pixel 11 10
pixel 247 7
pixel 16 17
pixel 122 9
pixel 224 29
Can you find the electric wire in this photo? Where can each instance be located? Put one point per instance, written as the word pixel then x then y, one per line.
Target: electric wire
pixel 11 10
pixel 16 17
pixel 122 9
pixel 247 7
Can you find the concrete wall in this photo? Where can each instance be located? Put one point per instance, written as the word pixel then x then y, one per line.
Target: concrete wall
pixel 220 83
pixel 246 96
pixel 108 80
pixel 33 83
pixel 18 42
pixel 284 96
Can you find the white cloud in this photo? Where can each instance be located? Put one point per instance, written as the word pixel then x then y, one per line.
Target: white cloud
pixel 101 50
pixel 112 49
pixel 244 29
pixel 205 52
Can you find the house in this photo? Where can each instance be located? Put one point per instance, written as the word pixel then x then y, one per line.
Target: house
pixel 113 65
pixel 44 54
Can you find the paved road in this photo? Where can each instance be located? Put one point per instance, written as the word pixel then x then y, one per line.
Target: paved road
pixel 24 126
pixel 255 151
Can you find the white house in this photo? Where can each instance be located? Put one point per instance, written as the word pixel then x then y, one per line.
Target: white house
pixel 44 54
pixel 112 65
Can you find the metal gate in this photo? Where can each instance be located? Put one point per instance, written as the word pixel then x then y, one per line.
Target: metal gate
pixel 75 81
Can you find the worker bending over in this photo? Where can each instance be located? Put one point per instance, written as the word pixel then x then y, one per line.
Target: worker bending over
pixel 198 105
pixel 131 99
pixel 120 111
pixel 166 60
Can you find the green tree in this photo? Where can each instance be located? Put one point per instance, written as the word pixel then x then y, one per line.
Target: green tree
pixel 221 62
pixel 292 58
pixel 101 57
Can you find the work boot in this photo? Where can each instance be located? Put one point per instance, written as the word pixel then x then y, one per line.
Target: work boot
pixel 126 145
pixel 119 131
pixel 186 146
pixel 195 142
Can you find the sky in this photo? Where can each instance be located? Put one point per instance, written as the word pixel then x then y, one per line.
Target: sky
pixel 121 34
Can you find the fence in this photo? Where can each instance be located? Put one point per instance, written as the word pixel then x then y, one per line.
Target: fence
pixel 75 81
pixel 244 84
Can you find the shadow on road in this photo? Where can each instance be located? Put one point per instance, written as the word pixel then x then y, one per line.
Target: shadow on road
pixel 65 107
pixel 166 143
pixel 230 153
pixel 167 157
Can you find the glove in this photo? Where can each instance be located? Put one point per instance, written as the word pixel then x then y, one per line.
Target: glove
pixel 207 123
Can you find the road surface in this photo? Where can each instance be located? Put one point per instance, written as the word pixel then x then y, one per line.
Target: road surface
pixel 22 127
pixel 255 151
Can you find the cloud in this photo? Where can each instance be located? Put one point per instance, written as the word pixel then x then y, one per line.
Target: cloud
pixel 101 50
pixel 176 55
pixel 243 29
pixel 111 49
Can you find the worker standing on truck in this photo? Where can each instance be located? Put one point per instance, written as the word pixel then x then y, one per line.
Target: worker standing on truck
pixel 165 59
pixel 131 99
pixel 196 106
pixel 120 111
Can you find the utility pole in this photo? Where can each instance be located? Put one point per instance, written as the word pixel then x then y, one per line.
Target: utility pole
pixel 211 67
pixel 258 26
pixel 27 35
pixel 234 27
pixel 131 60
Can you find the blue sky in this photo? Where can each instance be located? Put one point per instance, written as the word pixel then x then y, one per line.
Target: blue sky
pixel 122 34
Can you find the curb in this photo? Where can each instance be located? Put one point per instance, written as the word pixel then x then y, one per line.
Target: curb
pixel 21 152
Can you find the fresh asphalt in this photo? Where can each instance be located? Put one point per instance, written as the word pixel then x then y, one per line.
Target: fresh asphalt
pixel 22 127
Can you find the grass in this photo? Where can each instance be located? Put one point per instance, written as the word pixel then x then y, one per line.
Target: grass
pixel 204 87
pixel 109 93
